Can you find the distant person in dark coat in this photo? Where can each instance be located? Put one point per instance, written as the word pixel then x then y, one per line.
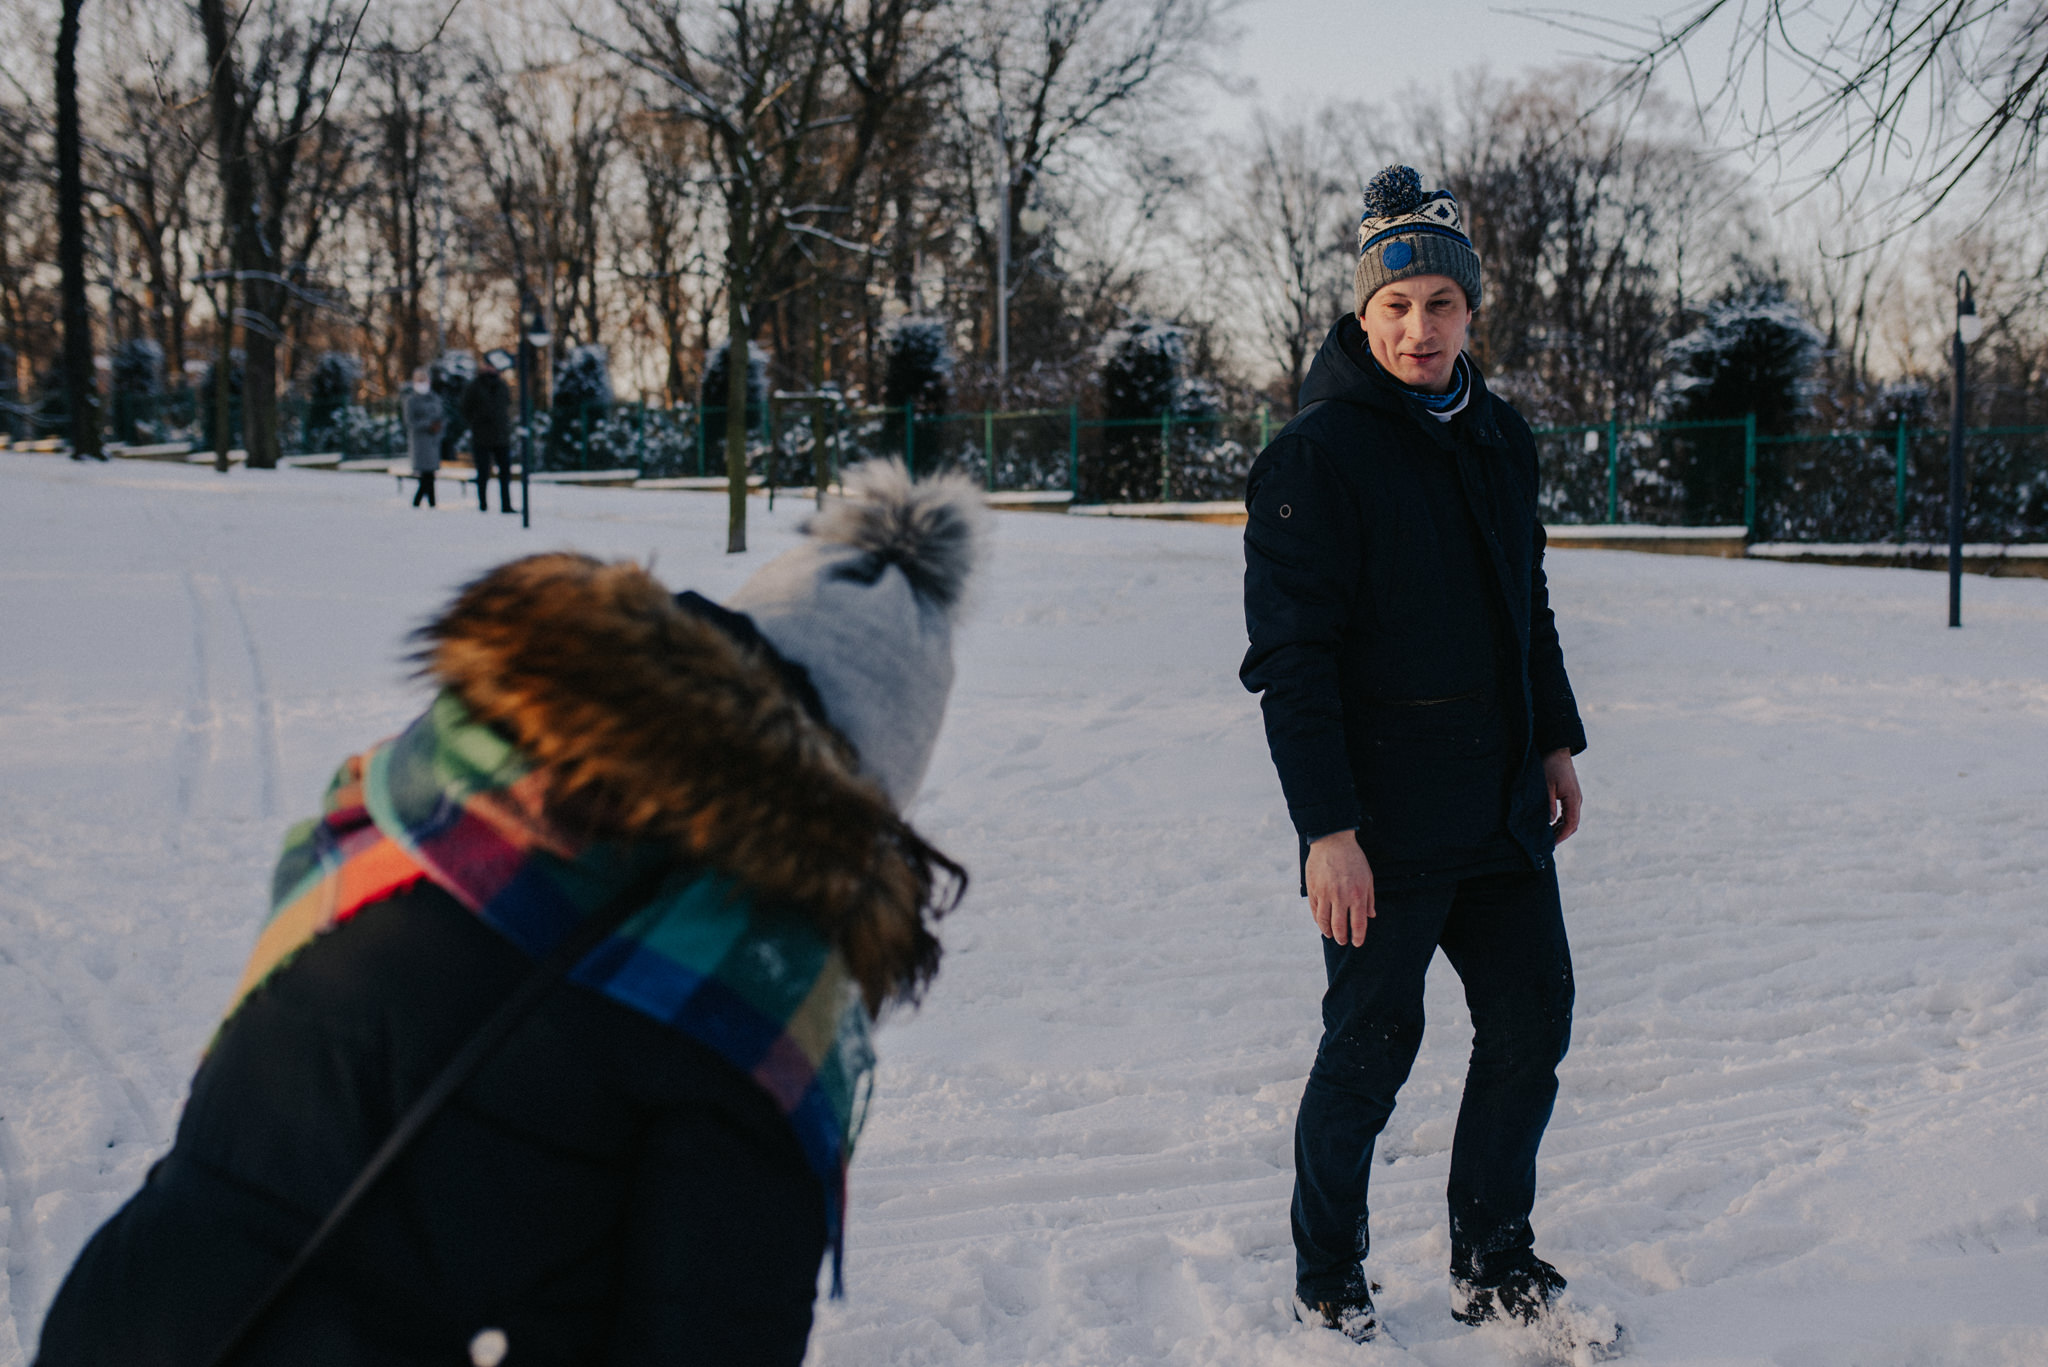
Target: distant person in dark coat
pixel 425 418
pixel 649 1169
pixel 1419 715
pixel 487 408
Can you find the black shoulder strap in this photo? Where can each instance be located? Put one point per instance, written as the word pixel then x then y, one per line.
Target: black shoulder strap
pixel 457 1071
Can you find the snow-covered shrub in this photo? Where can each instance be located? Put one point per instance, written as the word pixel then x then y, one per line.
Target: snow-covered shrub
pixel 356 432
pixel 712 394
pixel 138 367
pixel 665 443
pixel 52 407
pixel 1209 462
pixel 13 413
pixel 580 400
pixel 206 413
pixel 1752 353
pixel 917 370
pixel 583 377
pixel 1140 366
pixel 615 441
pixel 330 388
pixel 138 384
pixel 917 364
pixel 333 380
pixel 539 427
pixel 1139 369
pixel 1909 401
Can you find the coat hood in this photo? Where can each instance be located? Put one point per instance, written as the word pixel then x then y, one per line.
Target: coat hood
pixel 648 722
pixel 1334 374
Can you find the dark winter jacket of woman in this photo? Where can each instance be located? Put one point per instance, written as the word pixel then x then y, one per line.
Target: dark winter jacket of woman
pixel 649 1170
pixel 1400 624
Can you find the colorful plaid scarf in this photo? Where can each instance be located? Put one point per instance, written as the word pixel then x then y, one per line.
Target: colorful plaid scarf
pixel 450 801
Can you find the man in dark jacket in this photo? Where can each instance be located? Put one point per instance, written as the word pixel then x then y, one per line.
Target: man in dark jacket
pixel 1419 715
pixel 486 407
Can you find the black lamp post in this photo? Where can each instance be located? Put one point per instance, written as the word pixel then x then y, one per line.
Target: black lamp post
pixel 1969 327
pixel 533 337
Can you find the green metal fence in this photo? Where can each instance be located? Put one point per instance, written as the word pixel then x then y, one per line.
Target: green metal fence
pixel 1834 486
pixel 1869 486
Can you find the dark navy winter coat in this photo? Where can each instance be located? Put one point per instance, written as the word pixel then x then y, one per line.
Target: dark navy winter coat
pixel 604 1191
pixel 1400 623
pixel 486 405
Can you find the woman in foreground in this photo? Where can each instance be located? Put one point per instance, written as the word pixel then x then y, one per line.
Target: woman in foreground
pixel 651 1164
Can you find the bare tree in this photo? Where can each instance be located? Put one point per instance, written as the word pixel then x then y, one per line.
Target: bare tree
pixel 152 145
pixel 793 97
pixel 576 177
pixel 1283 244
pixel 544 137
pixel 81 379
pixel 26 242
pixel 1041 78
pixel 671 239
pixel 1586 223
pixel 271 130
pixel 1846 286
pixel 1924 93
pixel 407 95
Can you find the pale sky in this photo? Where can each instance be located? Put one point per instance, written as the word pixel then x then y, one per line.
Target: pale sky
pixel 1317 50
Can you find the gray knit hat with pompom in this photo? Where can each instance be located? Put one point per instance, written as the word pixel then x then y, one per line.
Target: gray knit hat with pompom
pixel 1405 232
pixel 867 604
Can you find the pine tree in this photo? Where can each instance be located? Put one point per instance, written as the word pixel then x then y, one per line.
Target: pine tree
pixel 713 389
pixel 917 370
pixel 1140 376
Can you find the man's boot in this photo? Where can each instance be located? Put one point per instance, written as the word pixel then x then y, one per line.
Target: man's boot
pixel 1353 1316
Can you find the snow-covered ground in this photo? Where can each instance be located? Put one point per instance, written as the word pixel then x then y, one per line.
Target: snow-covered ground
pixel 1803 1121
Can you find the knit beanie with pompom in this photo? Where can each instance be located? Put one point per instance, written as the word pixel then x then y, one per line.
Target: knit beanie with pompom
pixel 867 603
pixel 1405 232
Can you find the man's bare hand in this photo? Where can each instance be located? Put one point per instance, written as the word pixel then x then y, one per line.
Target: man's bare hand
pixel 1566 801
pixel 1340 886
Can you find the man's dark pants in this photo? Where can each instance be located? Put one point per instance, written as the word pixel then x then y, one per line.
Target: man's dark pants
pixel 486 457
pixel 1504 934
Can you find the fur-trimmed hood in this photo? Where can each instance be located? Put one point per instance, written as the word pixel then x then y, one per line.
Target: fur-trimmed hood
pixel 652 723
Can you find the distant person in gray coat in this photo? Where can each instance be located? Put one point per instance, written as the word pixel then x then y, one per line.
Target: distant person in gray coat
pixel 487 408
pixel 425 418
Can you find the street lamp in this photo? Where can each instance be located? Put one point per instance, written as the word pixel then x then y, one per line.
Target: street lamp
pixel 1969 327
pixel 1033 221
pixel 533 338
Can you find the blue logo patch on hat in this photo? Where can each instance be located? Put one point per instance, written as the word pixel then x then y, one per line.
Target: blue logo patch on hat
pixel 1395 255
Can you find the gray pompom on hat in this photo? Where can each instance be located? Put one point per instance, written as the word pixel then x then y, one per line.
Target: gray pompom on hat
pixel 867 605
pixel 1406 232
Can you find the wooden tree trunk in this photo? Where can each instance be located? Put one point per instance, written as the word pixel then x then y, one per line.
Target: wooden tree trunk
pixel 81 377
pixel 238 196
pixel 259 378
pixel 223 375
pixel 738 364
